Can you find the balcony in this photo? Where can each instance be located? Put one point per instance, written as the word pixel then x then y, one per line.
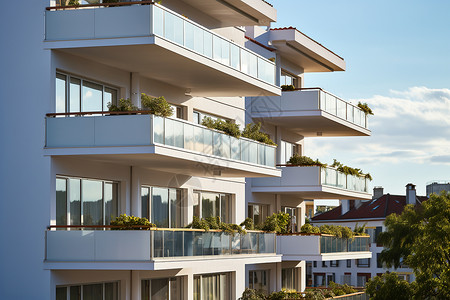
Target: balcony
pixel 237 12
pixel 314 183
pixel 297 247
pixel 154 249
pixel 311 112
pixel 169 145
pixel 163 45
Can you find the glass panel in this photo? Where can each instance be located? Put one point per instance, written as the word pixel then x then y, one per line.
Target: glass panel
pixel 145 290
pixel 160 207
pixel 253 152
pixel 75 201
pixel 217 49
pixel 92 291
pixel 92 97
pixel 175 208
pixel 178 243
pixel 196 204
pixel 197 294
pixel 159 289
pixel 253 65
pixel 245 147
pixel 158 130
pixel 188 243
pixel 226 146
pixel 270 156
pixel 188 137
pixel 168 243
pixel 210 205
pixel 261 154
pixel 169 132
pixel 224 208
pixel 61 201
pixel 110 96
pixel 60 93
pixel 75 94
pixel 235 148
pixel 61 293
pixel 178 134
pixel 112 291
pixel 208 44
pixel 75 292
pixel 158 247
pixel 145 197
pixel 91 193
pixel 189 32
pixel 158 20
pixel 175 289
pixel 225 49
pixel 217 144
pixel 208 141
pixel 198 139
pixel 198 39
pixel 235 57
pixel 111 202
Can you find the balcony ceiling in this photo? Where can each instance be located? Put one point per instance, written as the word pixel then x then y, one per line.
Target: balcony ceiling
pixel 303 51
pixel 176 66
pixel 312 123
pixel 237 12
pixel 314 192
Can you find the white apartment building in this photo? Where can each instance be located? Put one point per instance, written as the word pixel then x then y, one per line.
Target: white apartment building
pixel 68 167
pixel 351 213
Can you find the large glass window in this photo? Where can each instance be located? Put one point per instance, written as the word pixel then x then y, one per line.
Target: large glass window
pixel 288 79
pixel 259 280
pixel 258 213
pixel 85 201
pixel 74 94
pixel 208 204
pixel 162 289
pixel 96 291
pixel 287 150
pixel 212 287
pixel 162 206
pixel 289 278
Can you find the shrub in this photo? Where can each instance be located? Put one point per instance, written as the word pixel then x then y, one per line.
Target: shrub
pixel 123 105
pixel 314 295
pixel 360 230
pixel 156 105
pixel 226 126
pixel 308 228
pixel 349 170
pixel 248 224
pixel 252 294
pixel 365 108
pixel 253 131
pixel 215 224
pixel 278 223
pixel 127 223
pixel 287 88
pixel 73 2
pixel 299 160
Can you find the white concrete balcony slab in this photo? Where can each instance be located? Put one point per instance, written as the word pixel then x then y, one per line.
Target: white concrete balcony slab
pixel 163 45
pixel 298 247
pixel 314 183
pixel 158 249
pixel 169 145
pixel 311 112
pixel 237 12
pixel 301 50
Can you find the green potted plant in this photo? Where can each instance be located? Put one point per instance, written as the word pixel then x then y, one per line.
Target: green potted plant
pixel 157 106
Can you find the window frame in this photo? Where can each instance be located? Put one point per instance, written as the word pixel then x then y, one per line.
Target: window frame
pixel 170 281
pixel 198 282
pixel 250 207
pixel 81 285
pixel 180 199
pixel 199 207
pixel 264 274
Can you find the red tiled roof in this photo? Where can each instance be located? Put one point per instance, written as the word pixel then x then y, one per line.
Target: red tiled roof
pixel 375 209
pixel 290 27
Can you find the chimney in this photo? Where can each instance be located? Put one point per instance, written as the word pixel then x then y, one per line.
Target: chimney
pixel 378 192
pixel 410 193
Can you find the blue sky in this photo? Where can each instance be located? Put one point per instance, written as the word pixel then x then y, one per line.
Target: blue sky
pixel 398 61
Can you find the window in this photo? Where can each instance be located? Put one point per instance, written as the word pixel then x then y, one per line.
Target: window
pixel 199 116
pixel 379 263
pixel 324 264
pixel 349 263
pixel 315 264
pixel 288 79
pixel 162 289
pixel 103 291
pixel 287 151
pixel 347 278
pixel 259 280
pixel 258 213
pixel 362 278
pixel 162 206
pixel 207 204
pixel 334 263
pixel 74 94
pixel 378 230
pixel 292 212
pixel 363 263
pixel 289 279
pixel 319 279
pixel 177 111
pixel 212 287
pixel 86 201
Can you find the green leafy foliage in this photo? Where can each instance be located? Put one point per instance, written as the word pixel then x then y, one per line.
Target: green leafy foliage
pixel 251 294
pixel 214 223
pixel 131 223
pixel 73 2
pixel 420 237
pixel 349 170
pixel 253 131
pixel 315 294
pixel 308 228
pixel 341 289
pixel 226 126
pixel 111 1
pixel 287 88
pixel 277 222
pixel 299 160
pixel 248 224
pixel 336 230
pixel 123 105
pixel 360 230
pixel 365 108
pixel 388 286
pixel 156 105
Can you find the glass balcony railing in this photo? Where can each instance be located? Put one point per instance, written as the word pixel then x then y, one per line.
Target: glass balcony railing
pixel 201 139
pixel 332 244
pixel 342 109
pixel 184 32
pixel 332 177
pixel 168 243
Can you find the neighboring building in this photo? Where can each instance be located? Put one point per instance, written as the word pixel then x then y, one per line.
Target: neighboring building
pixel 350 213
pixel 437 187
pixel 69 167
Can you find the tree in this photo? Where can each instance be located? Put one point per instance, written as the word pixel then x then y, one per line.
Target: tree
pixel 388 286
pixel 420 237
